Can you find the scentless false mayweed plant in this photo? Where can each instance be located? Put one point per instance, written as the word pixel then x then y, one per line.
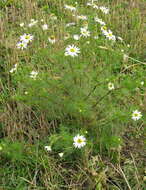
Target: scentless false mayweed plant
pixel 72 94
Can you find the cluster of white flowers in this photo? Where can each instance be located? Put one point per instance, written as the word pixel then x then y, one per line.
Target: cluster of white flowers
pixel 33 22
pixel 24 40
pixel 33 75
pixel 92 3
pixel 105 10
pixel 79 141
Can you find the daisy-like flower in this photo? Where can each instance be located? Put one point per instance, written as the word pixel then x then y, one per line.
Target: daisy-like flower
pixel 82 17
pixel 61 154
pixel 84 32
pixel 111 86
pixel 21 45
pixel 136 115
pixel 109 35
pixel 100 21
pixel 48 148
pixel 45 27
pixel 104 30
pixel 33 74
pixel 105 10
pixel 52 39
pixel 79 141
pixel 26 38
pixel 72 50
pixel 70 7
pixel 76 37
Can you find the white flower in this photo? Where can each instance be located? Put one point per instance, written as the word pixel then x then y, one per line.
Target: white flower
pixel 26 38
pixel 142 83
pixel 48 148
pixel 70 7
pixel 21 45
pixel 109 35
pixel 14 68
pixel 52 39
pixel 25 92
pixel 33 74
pixel 79 141
pixel 104 30
pixel 61 154
pixel 32 23
pixel 136 115
pixel 21 24
pixel 105 10
pixel 82 17
pixel 76 37
pixel 111 86
pixel 71 24
pixel 72 50
pixel 45 27
pixel 100 21
pixel 84 32
pixel 92 4
pixel 96 37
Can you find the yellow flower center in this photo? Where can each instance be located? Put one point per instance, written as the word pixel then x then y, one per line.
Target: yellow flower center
pixel 52 37
pixel 110 34
pixel 136 114
pixel 79 141
pixel 72 50
pixel 27 37
pixel 104 28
